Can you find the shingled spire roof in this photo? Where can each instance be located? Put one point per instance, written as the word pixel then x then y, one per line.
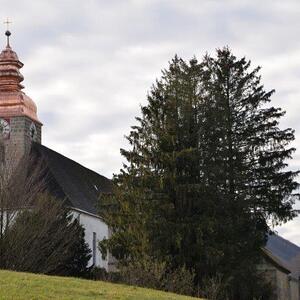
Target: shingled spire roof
pixel 13 101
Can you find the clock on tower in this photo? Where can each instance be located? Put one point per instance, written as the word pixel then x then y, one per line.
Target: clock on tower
pixel 4 129
pixel 19 124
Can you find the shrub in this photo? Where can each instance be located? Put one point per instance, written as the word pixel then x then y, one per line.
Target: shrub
pixel 151 273
pixel 214 288
pixel 145 272
pixel 97 273
pixel 180 281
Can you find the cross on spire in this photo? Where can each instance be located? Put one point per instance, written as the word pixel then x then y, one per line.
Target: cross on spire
pixel 7 22
pixel 7 33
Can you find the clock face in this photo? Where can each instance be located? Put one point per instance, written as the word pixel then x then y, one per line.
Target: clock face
pixel 33 131
pixel 4 128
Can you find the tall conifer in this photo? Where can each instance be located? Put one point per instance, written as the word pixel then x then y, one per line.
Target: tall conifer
pixel 206 173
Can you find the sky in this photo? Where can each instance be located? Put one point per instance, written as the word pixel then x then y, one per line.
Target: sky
pixel 89 64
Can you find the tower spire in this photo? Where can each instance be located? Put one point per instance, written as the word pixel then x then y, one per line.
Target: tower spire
pixel 7 32
pixel 13 102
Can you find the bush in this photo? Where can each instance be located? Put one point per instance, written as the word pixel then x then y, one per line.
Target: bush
pixel 152 273
pixel 180 281
pixel 97 273
pixel 214 288
pixel 252 285
pixel 146 273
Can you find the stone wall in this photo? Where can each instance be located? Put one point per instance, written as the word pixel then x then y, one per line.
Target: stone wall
pixel 20 140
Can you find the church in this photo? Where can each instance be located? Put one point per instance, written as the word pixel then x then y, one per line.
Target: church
pixel 21 132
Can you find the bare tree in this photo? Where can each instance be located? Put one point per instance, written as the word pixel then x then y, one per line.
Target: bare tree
pixel 21 180
pixel 47 239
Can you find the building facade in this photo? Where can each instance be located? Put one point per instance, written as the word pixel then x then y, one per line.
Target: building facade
pixel 280 265
pixel 21 134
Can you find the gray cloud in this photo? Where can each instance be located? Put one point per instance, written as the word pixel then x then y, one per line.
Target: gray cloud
pixel 89 64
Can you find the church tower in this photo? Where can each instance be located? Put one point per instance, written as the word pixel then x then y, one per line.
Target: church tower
pixel 19 124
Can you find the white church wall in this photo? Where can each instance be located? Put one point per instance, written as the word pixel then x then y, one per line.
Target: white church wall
pixel 95 231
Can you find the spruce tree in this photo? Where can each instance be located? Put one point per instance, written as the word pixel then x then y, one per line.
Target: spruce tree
pixel 246 159
pixel 206 174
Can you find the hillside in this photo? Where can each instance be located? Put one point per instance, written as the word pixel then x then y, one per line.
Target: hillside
pixel 25 286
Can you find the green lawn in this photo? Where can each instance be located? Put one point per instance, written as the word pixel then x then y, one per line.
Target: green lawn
pixel 15 286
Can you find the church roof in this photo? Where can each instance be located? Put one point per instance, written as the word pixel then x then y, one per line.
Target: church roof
pixel 283 266
pixel 286 252
pixel 67 179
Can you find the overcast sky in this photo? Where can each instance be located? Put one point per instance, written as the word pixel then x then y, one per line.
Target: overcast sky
pixel 89 64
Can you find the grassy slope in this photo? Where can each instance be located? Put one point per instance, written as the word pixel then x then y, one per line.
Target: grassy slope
pixel 14 286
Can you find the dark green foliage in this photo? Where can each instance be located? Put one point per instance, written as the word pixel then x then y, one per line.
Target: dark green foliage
pixel 97 273
pixel 46 239
pixel 218 287
pixel 206 172
pixel 151 273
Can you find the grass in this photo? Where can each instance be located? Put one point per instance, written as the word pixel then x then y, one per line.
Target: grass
pixel 17 286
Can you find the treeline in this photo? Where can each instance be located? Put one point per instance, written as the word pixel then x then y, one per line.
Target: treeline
pixel 205 178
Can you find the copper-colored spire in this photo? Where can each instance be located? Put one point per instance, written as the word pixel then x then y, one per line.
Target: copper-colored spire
pixel 13 102
pixel 10 76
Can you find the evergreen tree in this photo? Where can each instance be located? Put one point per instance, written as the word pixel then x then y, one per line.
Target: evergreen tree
pixel 206 173
pixel 245 157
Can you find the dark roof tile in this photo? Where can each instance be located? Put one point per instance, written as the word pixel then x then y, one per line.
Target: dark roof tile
pixel 82 187
pixel 287 252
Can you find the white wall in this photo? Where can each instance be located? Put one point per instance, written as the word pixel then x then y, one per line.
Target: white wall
pixel 92 224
